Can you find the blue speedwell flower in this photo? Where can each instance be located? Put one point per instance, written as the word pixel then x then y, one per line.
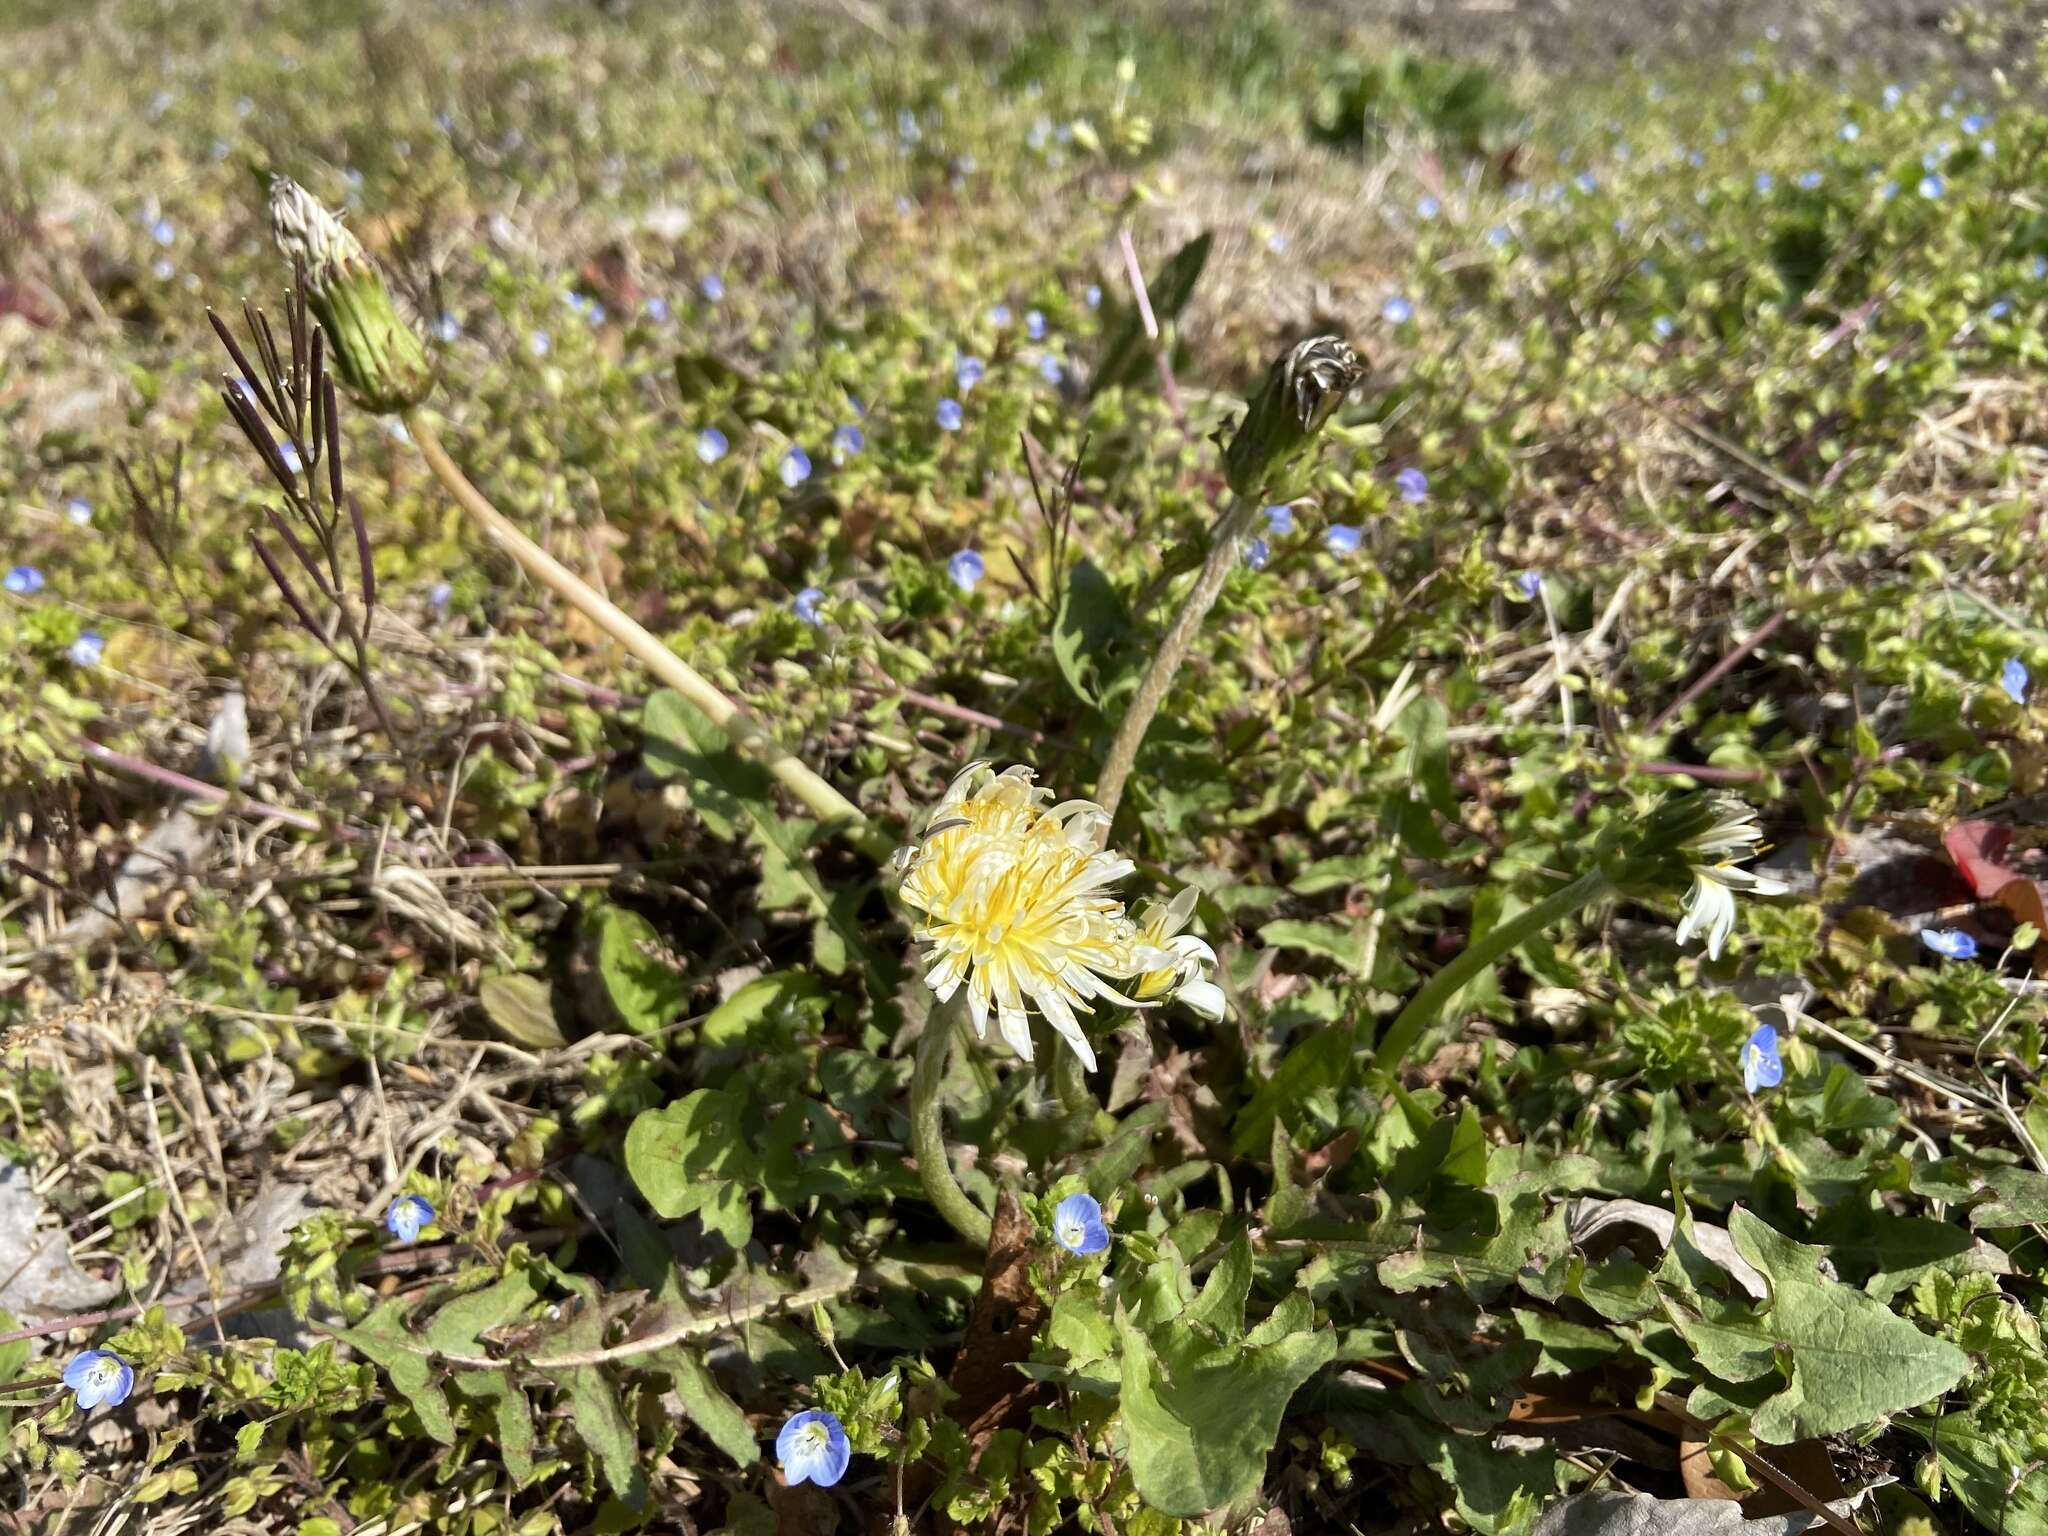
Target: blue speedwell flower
pixel 1412 483
pixel 712 286
pixel 1932 186
pixel 965 569
pixel 846 442
pixel 1280 520
pixel 1034 324
pixel 1257 553
pixel 656 309
pixel 1950 943
pixel 1529 583
pixel 968 372
pixel 999 315
pixel 1397 310
pixel 795 468
pixel 711 445
pixel 1762 1066
pixel 1077 1225
pixel 23 581
pixel 812 1448
pixel 949 415
pixel 87 649
pixel 1092 296
pixel 447 328
pixel 406 1216
pixel 540 343
pixel 438 595
pixel 2013 679
pixel 79 511
pixel 1051 369
pixel 99 1376
pixel 1343 539
pixel 806 606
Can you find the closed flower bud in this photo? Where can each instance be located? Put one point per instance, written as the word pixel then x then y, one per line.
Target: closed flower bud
pixel 1300 394
pixel 376 352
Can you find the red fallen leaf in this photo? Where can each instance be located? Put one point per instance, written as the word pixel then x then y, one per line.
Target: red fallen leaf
pixel 1978 847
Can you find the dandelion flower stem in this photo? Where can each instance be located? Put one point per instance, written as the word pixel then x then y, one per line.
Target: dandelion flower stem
pixel 747 732
pixel 1173 650
pixel 1424 1007
pixel 927 1133
pixel 1070 1081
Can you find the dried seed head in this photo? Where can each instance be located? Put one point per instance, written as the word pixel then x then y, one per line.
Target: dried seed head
pixel 1302 391
pixel 375 350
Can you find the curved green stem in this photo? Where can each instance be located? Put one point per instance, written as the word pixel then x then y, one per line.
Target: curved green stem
pixel 1424 1006
pixel 1173 650
pixel 927 1131
pixel 746 732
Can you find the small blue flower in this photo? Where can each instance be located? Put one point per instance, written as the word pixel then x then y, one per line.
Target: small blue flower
pixel 1974 124
pixel 1529 583
pixel 1765 181
pixel 657 309
pixel 795 467
pixel 1257 553
pixel 712 286
pixel 1851 133
pixel 575 300
pixel 1276 242
pixel 1893 95
pixel 540 343
pixel 999 315
pixel 406 1216
pixel 1413 484
pixel 711 445
pixel 1397 310
pixel 87 649
pixel 846 442
pixel 594 314
pixel 1051 369
pixel 447 328
pixel 1280 520
pixel 163 232
pixel 813 1448
pixel 1808 180
pixel 23 581
pixel 968 372
pixel 1343 539
pixel 1034 324
pixel 438 595
pixel 1950 943
pixel 1762 1067
pixel 1663 326
pixel 949 416
pixel 1077 1225
pixel 1092 296
pixel 99 1376
pixel 79 511
pixel 965 569
pixel 1428 208
pixel 1586 182
pixel 2013 678
pixel 806 606
pixel 2040 267
pixel 1932 186
pixel 1999 309
pixel 1498 236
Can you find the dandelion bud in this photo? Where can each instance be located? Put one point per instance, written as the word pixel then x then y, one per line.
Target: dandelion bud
pixel 1300 394
pixel 374 350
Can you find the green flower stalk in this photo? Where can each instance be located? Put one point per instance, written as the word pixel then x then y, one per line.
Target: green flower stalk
pixel 1301 393
pixel 1685 843
pixel 373 349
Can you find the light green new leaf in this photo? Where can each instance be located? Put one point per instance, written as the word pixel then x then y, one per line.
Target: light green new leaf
pixel 1971 1462
pixel 1199 1440
pixel 648 994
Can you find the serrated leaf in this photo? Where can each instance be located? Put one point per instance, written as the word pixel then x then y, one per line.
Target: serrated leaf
pixel 1346 946
pixel 523 1009
pixel 510 1415
pixel 1200 1440
pixel 1848 1359
pixel 382 1337
pixel 594 1402
pixel 707 1404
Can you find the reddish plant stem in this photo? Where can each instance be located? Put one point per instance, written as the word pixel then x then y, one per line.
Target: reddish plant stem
pixel 1716 672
